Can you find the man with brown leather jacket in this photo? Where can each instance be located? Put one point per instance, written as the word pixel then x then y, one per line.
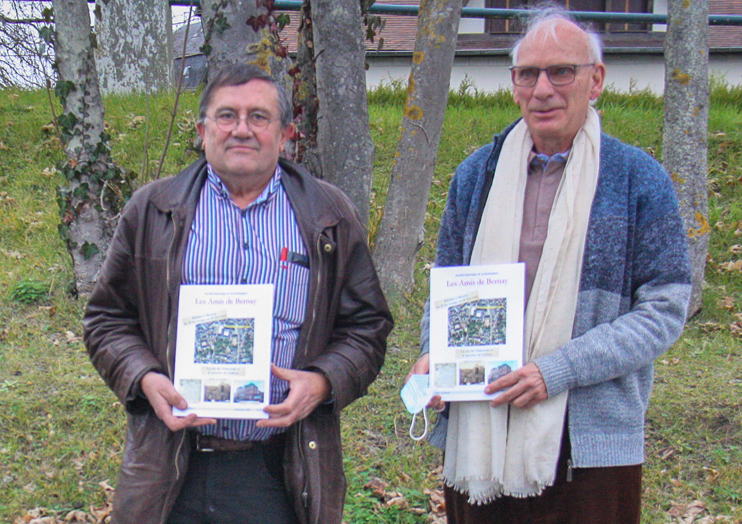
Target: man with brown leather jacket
pixel 223 220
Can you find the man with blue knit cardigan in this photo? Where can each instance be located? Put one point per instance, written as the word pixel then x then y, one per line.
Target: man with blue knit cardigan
pixel 607 285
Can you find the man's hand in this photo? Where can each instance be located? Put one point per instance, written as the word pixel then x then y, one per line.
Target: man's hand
pixel 527 388
pixel 422 367
pixel 307 390
pixel 162 397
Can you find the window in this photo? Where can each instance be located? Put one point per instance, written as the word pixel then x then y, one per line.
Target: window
pixel 499 26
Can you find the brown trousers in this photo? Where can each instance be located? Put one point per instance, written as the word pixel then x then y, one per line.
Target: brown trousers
pixel 593 496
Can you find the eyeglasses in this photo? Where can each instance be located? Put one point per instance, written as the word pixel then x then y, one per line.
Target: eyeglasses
pixel 227 121
pixel 558 75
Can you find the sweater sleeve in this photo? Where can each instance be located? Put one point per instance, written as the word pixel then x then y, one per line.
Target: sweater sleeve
pixel 636 280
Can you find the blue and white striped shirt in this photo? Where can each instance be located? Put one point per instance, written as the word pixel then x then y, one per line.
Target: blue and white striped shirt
pixel 228 245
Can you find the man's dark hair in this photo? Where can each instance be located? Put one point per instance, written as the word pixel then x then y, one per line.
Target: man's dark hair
pixel 238 74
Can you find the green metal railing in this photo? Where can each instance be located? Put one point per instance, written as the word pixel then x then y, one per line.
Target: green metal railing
pixel 476 12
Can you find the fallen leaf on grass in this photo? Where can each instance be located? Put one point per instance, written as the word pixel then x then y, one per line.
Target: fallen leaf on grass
pixel 736 249
pixel 79 517
pixel 395 498
pixel 710 326
pixel 687 513
pixel 711 475
pixel 377 486
pixel 726 303
pixel 437 501
pixel 731 266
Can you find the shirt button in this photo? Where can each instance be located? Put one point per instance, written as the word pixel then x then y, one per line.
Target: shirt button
pixel 245 246
pixel 312 444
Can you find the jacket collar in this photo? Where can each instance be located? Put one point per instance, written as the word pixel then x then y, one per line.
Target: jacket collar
pixel 309 197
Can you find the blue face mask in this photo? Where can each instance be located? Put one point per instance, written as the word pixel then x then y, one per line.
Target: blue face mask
pixel 416 394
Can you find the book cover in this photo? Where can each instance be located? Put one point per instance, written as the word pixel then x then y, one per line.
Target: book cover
pixel 476 327
pixel 223 350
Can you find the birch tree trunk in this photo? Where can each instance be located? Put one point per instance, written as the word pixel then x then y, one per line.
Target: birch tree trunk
pixel 90 203
pixel 135 45
pixel 401 231
pixel 344 145
pixel 685 138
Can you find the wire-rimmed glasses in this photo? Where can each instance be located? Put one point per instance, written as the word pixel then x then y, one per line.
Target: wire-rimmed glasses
pixel 227 121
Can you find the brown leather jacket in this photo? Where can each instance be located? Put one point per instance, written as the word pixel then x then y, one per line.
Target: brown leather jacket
pixel 130 326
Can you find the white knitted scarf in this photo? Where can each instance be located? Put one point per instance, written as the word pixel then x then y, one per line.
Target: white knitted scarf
pixel 492 452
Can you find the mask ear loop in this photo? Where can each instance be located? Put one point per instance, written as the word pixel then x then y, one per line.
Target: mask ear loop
pixel 412 426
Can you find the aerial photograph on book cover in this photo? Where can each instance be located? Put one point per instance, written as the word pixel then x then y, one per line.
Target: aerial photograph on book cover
pixel 228 341
pixel 478 323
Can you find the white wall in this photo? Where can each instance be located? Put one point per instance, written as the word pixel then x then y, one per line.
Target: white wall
pixel 625 72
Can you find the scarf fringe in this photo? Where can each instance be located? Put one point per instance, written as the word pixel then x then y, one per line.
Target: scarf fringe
pixel 495 491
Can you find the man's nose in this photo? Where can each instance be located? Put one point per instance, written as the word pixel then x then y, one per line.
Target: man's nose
pixel 543 84
pixel 242 128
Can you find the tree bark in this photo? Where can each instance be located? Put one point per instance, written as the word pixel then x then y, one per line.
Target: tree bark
pixel 401 230
pixel 135 45
pixel 89 204
pixel 306 105
pixel 240 31
pixel 685 138
pixel 345 148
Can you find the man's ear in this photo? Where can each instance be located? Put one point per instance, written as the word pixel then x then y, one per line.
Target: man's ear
pixel 200 129
pixel 287 133
pixel 597 79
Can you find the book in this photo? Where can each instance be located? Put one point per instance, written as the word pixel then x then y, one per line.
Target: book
pixel 223 350
pixel 476 327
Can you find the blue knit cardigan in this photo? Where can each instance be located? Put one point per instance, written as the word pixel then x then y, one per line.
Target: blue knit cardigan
pixel 632 300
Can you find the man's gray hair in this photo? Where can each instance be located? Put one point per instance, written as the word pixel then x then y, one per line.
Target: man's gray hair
pixel 543 17
pixel 239 74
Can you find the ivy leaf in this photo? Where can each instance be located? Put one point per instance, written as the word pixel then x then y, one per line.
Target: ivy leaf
pixel 46 33
pixel 282 20
pixel 257 22
pixel 89 250
pixel 67 121
pixel 62 89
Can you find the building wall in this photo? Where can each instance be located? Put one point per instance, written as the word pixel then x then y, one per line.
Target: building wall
pixel 625 71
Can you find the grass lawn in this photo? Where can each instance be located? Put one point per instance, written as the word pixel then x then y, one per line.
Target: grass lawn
pixel 61 429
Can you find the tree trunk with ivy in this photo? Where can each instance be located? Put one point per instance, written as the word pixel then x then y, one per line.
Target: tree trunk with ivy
pixel 306 105
pixel 245 31
pixel 345 148
pixel 402 226
pixel 90 202
pixel 685 138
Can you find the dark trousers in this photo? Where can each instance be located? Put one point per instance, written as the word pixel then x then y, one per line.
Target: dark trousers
pixel 235 487
pixel 593 496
